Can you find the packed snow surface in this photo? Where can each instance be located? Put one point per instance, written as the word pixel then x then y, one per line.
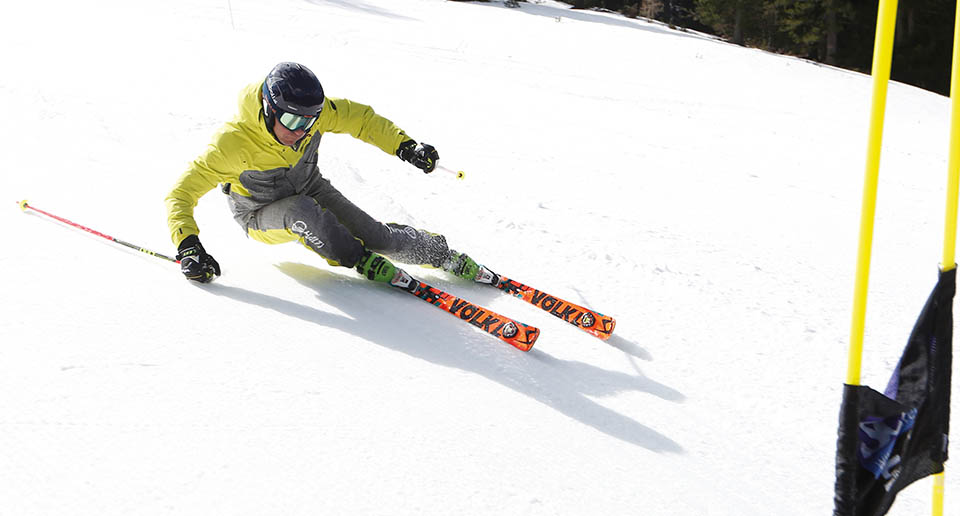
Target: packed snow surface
pixel 704 194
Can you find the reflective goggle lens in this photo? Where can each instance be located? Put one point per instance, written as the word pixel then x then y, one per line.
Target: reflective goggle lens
pixel 294 122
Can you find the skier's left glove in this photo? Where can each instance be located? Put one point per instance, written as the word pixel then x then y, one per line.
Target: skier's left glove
pixel 421 155
pixel 195 263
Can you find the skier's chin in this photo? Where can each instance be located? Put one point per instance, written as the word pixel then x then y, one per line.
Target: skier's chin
pixel 289 141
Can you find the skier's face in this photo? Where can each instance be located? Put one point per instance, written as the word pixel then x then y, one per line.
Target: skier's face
pixel 286 136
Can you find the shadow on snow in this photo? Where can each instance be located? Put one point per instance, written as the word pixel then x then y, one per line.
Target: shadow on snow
pixel 563 385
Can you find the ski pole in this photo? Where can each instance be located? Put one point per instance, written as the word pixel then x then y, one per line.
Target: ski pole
pixel 459 173
pixel 24 206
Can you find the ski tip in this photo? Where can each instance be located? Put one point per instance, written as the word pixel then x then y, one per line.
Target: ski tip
pixel 595 323
pixel 524 345
pixel 609 328
pixel 22 204
pixel 519 335
pixel 532 335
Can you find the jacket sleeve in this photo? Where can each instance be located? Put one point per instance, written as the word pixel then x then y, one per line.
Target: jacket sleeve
pixel 361 122
pixel 202 176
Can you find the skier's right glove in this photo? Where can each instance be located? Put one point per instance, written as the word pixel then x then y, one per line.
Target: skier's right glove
pixel 421 155
pixel 195 263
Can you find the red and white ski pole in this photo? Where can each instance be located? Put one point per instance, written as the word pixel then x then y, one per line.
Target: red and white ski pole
pixel 24 206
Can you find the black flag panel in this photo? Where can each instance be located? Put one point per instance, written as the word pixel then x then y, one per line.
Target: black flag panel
pixel 887 441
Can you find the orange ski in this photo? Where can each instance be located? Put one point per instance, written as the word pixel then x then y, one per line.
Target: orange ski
pixel 517 334
pixel 590 321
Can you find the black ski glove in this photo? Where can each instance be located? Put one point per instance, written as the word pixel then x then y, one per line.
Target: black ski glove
pixel 195 263
pixel 420 155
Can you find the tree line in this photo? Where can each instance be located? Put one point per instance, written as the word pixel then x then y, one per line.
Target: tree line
pixel 835 32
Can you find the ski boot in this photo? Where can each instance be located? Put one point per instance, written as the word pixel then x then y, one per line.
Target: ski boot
pixel 460 265
pixel 377 268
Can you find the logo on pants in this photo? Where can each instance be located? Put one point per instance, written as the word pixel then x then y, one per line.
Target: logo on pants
pixel 300 228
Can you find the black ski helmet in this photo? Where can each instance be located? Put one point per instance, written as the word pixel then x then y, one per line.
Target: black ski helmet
pixel 291 88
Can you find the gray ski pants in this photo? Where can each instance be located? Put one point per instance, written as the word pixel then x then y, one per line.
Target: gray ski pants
pixel 298 204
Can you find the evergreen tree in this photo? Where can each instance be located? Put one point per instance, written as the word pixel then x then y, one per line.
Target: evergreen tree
pixel 811 29
pixel 738 20
pixel 923 47
pixel 836 32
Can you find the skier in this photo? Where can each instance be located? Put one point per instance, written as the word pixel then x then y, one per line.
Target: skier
pixel 265 160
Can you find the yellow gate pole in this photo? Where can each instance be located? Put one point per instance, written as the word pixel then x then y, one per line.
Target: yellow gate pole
pixel 950 217
pixel 882 57
pixel 950 220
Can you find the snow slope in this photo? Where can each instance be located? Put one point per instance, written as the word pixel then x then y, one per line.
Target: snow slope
pixel 705 195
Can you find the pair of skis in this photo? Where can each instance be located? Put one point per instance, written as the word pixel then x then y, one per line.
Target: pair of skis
pixel 513 332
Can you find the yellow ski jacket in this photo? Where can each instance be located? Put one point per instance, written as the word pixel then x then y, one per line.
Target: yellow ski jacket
pixel 245 144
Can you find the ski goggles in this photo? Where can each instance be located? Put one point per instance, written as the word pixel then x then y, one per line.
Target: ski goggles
pixel 295 122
